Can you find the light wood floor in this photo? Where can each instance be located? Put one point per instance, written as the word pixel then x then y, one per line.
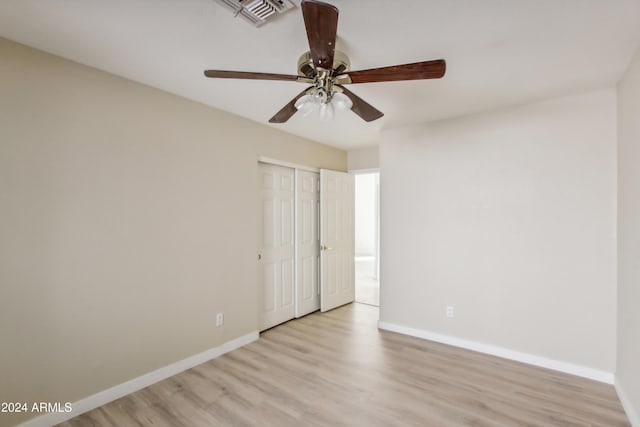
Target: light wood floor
pixel 338 369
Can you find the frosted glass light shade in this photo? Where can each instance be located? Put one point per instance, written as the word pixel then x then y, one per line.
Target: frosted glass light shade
pixel 304 99
pixel 326 111
pixel 306 104
pixel 341 101
pixel 317 101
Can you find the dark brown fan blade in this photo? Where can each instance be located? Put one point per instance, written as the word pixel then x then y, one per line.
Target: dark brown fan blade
pixel 288 110
pixel 321 21
pixel 248 75
pixel 416 71
pixel 361 107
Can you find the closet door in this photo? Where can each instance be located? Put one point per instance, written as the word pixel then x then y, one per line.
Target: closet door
pixel 276 243
pixel 337 282
pixel 308 242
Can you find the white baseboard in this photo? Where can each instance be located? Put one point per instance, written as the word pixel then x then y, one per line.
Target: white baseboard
pixel 634 417
pixel 120 390
pixel 569 368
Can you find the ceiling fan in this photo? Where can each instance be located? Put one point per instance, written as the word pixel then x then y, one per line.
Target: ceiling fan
pixel 327 70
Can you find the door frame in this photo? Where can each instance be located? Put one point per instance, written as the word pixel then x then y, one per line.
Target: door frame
pixel 276 162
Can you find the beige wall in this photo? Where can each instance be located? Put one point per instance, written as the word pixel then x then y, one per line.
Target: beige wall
pixel 509 217
pixel 628 367
pixel 363 158
pixel 127 220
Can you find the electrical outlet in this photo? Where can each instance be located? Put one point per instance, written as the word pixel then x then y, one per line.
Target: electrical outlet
pixel 219 319
pixel 449 311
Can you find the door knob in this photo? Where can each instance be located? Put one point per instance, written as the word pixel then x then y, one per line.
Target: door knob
pixel 325 248
pixel 259 257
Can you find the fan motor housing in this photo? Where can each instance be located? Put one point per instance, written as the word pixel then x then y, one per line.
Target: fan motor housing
pixel 306 68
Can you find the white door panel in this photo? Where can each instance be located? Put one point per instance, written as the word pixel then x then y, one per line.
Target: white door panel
pixel 337 239
pixel 276 266
pixel 308 242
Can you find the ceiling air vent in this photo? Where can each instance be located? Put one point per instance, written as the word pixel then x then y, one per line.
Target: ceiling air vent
pixel 257 11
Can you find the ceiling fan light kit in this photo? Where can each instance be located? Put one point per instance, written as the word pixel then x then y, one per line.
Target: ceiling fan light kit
pixel 318 100
pixel 328 70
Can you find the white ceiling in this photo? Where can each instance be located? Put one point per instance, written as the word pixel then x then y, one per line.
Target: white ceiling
pixel 498 52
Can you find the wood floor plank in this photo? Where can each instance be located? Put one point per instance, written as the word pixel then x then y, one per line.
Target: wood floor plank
pixel 338 369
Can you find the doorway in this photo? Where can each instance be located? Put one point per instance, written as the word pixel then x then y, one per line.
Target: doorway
pixel 367 230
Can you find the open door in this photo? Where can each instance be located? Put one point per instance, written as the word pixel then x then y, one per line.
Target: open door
pixel 337 277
